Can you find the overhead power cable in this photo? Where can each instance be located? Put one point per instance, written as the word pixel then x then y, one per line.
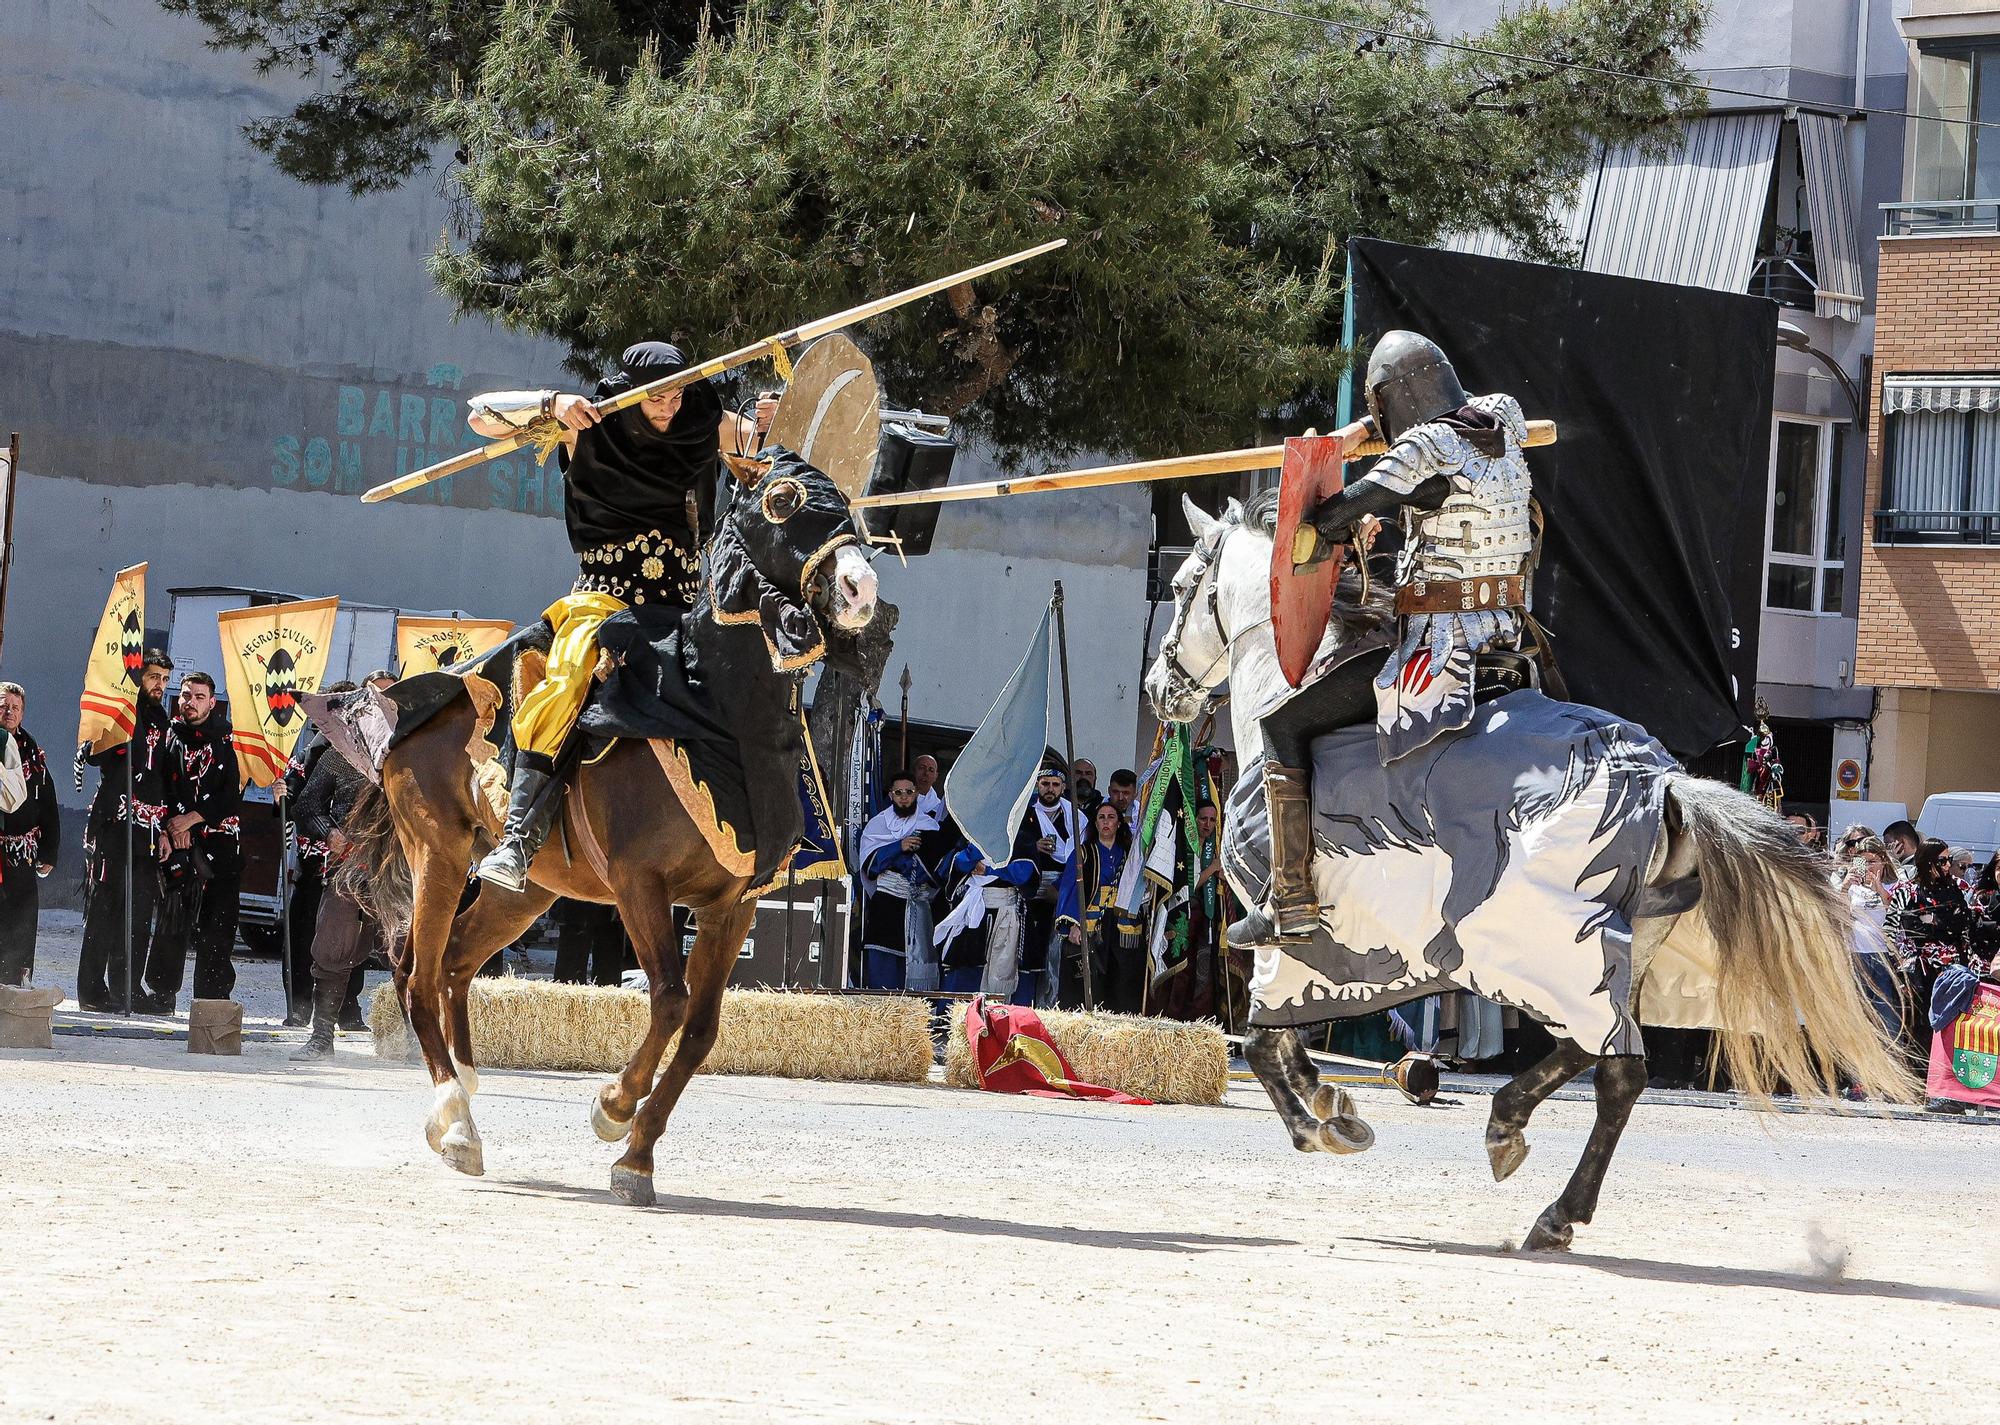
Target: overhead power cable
pixel 1460 47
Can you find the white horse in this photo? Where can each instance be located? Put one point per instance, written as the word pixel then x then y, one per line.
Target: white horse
pixel 1769 939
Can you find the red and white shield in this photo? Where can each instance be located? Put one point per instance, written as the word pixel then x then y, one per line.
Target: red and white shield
pixel 1301 599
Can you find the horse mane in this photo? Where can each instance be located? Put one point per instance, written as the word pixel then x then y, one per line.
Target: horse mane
pixel 1356 609
pixel 1260 511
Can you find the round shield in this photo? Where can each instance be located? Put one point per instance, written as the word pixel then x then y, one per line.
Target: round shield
pixel 832 412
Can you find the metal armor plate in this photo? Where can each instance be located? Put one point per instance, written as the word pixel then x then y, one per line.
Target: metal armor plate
pixel 1483 529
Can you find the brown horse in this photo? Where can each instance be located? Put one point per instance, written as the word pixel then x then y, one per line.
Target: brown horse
pixel 787 548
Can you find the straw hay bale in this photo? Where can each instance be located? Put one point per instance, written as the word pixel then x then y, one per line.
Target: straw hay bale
pixel 537 1024
pixel 1164 1060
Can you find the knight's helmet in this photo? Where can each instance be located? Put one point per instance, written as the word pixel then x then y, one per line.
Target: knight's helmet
pixel 1410 381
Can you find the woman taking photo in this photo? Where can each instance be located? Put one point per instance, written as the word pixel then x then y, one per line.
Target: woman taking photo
pixel 1097 911
pixel 1869 878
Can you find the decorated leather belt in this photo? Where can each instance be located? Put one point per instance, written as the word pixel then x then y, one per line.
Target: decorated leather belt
pixel 1464 596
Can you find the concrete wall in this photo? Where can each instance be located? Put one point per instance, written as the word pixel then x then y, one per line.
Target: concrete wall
pixel 208 360
pixel 1930 741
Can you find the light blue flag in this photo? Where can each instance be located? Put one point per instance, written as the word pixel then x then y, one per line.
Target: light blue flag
pixel 988 787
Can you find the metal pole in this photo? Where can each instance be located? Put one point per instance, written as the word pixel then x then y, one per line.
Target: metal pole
pixel 7 526
pixel 131 824
pixel 903 749
pixel 1069 766
pixel 285 897
pixel 785 969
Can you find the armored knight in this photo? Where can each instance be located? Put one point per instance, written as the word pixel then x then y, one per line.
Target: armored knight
pixel 1455 480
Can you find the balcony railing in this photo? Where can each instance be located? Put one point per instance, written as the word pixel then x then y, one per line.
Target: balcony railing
pixel 1788 280
pixel 1937 526
pixel 1940 217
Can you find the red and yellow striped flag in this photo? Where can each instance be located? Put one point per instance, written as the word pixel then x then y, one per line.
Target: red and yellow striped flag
pixel 110 701
pixel 270 655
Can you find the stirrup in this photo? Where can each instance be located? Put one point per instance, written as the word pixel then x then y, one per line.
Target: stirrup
pixel 1255 931
pixel 1302 929
pixel 506 865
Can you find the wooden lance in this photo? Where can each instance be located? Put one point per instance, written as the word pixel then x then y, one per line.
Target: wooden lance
pixel 1179 467
pixel 546 433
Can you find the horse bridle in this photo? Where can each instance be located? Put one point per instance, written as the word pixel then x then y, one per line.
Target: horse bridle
pixel 1179 685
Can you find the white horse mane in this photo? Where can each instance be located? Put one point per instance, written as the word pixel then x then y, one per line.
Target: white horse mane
pixel 1237 644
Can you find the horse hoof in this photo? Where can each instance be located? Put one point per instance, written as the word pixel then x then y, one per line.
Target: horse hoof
pixel 463 1152
pixel 631 1186
pixel 1332 1101
pixel 1344 1133
pixel 434 1135
pixel 605 1126
pixel 1506 1152
pixel 1543 1237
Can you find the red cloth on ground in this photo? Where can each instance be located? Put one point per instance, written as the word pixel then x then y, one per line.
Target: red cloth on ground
pixel 1013 1053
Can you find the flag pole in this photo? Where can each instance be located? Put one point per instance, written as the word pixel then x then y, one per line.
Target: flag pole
pixel 7 526
pixel 285 895
pixel 131 822
pixel 1069 775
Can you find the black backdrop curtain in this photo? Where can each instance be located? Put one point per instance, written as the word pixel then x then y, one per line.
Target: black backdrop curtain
pixel 1655 489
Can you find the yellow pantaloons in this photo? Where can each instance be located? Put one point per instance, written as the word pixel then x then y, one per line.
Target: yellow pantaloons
pixel 546 715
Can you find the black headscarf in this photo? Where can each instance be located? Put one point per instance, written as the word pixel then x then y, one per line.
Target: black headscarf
pixel 627 478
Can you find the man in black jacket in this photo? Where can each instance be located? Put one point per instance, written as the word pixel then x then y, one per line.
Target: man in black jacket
pixel 124 831
pixel 29 835
pixel 343 936
pixel 203 871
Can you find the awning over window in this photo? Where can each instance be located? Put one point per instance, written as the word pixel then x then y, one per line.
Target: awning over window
pixel 1571 216
pixel 1689 217
pixel 1940 393
pixel 1830 207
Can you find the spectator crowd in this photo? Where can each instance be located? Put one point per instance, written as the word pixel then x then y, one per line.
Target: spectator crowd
pixel 1081 907
pixel 1927 926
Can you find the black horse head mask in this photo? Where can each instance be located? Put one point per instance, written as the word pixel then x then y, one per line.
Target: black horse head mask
pixel 773 560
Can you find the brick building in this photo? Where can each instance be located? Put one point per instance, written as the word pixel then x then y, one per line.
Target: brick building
pixel 1930 572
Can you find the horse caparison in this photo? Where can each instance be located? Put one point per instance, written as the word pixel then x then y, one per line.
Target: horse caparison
pixel 623 836
pixel 1792 1008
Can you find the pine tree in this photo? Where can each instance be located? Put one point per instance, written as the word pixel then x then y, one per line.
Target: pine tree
pixel 714 180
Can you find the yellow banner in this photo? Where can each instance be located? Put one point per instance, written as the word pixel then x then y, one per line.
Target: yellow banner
pixel 111 681
pixel 424 645
pixel 270 655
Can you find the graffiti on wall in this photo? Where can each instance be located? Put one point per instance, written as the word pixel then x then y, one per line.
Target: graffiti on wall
pixel 373 433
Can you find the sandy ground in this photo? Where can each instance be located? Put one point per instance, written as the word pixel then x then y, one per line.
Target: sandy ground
pixel 213 1241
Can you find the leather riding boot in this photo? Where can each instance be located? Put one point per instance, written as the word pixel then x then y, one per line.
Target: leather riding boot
pixel 326 1008
pixel 1294 901
pixel 530 804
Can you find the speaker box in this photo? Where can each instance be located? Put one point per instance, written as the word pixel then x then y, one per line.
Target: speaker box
pixel 909 459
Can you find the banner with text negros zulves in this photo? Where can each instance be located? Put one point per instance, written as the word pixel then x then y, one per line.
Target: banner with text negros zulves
pixel 424 645
pixel 271 655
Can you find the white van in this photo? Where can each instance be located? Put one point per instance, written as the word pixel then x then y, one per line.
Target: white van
pixel 1874 815
pixel 1965 821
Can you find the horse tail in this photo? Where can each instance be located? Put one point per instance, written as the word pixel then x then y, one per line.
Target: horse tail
pixel 1791 1001
pixel 376 873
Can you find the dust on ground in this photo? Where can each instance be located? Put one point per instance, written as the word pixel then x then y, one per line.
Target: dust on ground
pixel 213 1241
